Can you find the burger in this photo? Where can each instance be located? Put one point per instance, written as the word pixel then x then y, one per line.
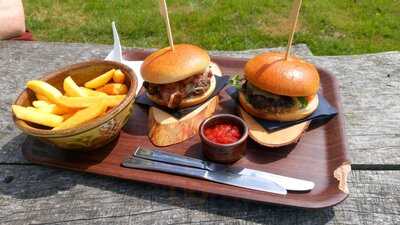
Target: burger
pixel 279 89
pixel 178 78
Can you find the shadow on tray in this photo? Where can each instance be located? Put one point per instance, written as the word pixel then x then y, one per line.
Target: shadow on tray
pixel 81 159
pixel 255 153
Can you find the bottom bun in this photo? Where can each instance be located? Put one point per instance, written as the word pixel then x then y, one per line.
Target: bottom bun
pixel 284 116
pixel 187 102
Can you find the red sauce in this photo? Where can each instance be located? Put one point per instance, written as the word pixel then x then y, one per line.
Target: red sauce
pixel 223 133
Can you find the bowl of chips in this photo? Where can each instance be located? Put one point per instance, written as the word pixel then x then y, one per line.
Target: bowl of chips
pixel 82 106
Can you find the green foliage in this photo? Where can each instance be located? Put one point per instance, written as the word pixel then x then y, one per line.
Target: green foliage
pixel 328 27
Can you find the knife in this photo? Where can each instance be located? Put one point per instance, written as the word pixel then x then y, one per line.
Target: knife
pixel 291 184
pixel 218 176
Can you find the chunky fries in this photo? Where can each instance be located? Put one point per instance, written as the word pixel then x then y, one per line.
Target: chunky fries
pixel 83 102
pixel 35 116
pixel 42 97
pixel 47 107
pixel 72 89
pixel 83 116
pixel 78 105
pixel 91 92
pixel 114 89
pixel 119 77
pixel 100 80
pixel 45 89
pixel 68 115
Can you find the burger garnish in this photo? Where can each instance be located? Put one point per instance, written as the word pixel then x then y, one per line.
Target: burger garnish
pixel 278 89
pixel 178 78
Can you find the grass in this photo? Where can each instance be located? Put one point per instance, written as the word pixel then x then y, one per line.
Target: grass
pixel 327 27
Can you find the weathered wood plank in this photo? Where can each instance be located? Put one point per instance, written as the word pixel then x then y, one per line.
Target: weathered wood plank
pixel 370 91
pixel 42 195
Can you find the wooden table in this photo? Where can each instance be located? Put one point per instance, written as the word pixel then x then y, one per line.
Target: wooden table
pixel 370 89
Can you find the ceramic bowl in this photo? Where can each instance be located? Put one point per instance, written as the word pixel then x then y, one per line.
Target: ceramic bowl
pixel 224 153
pixel 95 133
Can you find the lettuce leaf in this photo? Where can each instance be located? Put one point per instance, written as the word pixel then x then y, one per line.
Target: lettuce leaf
pixel 236 81
pixel 303 102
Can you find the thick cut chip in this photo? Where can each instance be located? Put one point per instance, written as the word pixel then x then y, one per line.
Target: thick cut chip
pixel 83 102
pixel 119 77
pixel 72 89
pixel 35 116
pixel 90 92
pixel 68 115
pixel 47 107
pixel 45 89
pixel 114 89
pixel 41 97
pixel 83 116
pixel 100 80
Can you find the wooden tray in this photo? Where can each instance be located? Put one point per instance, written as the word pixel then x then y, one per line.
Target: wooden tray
pixel 315 157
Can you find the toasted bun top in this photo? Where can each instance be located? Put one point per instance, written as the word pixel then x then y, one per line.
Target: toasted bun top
pixel 293 77
pixel 166 66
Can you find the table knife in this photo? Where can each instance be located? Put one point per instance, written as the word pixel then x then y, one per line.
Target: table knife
pixel 289 183
pixel 237 180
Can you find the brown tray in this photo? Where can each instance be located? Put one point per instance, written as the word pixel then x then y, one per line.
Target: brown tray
pixel 315 157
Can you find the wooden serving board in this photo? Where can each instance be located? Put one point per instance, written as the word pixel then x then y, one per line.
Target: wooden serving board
pixel 319 152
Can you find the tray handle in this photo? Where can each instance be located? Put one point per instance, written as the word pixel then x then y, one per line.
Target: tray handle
pixel 341 174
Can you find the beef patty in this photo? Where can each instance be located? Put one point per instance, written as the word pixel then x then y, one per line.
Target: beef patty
pixel 266 101
pixel 172 94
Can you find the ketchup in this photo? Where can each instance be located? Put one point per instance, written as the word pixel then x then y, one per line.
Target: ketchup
pixel 223 133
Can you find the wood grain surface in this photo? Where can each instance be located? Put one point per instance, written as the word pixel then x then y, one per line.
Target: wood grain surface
pixel 32 194
pixel 42 195
pixel 370 90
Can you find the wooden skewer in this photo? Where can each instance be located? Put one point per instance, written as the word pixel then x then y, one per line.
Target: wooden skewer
pixel 294 16
pixel 164 14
